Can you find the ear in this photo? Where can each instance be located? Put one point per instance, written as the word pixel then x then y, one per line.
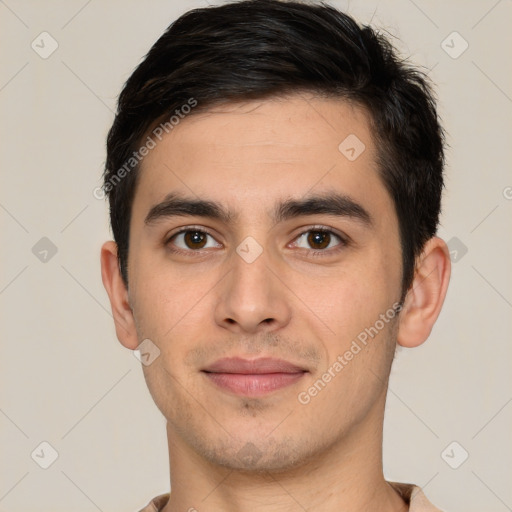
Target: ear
pixel 425 298
pixel 118 295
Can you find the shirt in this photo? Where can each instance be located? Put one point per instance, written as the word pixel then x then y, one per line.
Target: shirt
pixel 411 494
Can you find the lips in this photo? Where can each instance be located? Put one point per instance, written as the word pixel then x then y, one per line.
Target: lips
pixel 253 377
pixel 254 366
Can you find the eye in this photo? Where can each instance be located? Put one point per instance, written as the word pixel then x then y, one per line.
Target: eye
pixel 192 240
pixel 318 240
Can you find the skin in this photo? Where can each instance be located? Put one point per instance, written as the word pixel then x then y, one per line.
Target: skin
pixel 203 304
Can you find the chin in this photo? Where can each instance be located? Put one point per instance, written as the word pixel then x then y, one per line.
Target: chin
pixel 257 455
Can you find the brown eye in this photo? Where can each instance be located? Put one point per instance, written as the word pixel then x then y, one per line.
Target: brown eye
pixel 195 239
pixel 189 240
pixel 319 239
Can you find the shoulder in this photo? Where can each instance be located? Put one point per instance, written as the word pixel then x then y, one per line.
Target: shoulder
pixel 156 504
pixel 414 497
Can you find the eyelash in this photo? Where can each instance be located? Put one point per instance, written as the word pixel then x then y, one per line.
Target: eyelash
pixel 344 241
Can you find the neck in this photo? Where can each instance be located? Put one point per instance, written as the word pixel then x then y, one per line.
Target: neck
pixel 345 476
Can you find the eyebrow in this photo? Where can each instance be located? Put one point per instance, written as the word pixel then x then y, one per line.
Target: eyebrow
pixel 174 205
pixel 340 205
pixel 336 204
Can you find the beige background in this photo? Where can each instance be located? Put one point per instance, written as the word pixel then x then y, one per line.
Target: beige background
pixel 64 377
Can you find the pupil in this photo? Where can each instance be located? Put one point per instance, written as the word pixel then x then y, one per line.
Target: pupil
pixel 319 238
pixel 195 238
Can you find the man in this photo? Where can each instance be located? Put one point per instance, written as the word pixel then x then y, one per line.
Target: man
pixel 274 175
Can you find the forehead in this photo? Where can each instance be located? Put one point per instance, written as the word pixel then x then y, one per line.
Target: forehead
pixel 248 154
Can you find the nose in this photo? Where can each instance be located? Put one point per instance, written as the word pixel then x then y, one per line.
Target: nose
pixel 252 298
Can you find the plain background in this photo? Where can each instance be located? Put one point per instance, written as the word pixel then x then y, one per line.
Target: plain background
pixel 66 380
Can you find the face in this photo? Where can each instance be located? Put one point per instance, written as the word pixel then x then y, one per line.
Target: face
pixel 271 303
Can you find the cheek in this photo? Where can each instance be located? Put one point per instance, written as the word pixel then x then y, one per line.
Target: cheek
pixel 353 297
pixel 342 395
pixel 167 390
pixel 164 299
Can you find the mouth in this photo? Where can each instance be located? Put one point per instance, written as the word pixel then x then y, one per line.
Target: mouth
pixel 255 377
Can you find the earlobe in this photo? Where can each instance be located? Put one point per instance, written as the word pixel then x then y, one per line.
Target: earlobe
pixel 425 298
pixel 118 295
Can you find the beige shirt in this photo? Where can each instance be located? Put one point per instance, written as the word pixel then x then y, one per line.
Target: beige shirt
pixel 411 494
